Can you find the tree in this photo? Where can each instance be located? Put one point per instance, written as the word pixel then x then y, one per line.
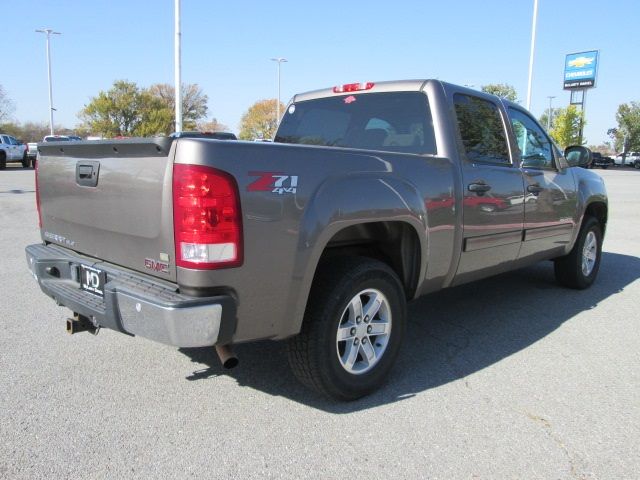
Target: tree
pixel 260 120
pixel 6 106
pixel 212 126
pixel 544 117
pixel 502 90
pixel 627 135
pixel 566 130
pixel 117 112
pixel 194 102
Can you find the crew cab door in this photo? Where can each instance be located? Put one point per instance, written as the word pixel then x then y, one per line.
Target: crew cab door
pixel 493 210
pixel 550 190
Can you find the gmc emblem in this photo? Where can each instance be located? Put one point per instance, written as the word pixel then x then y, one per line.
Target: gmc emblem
pixel 156 265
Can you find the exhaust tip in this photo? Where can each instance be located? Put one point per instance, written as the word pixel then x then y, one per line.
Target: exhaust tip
pixel 227 357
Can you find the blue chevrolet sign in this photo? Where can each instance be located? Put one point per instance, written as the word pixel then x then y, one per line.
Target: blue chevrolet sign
pixel 580 70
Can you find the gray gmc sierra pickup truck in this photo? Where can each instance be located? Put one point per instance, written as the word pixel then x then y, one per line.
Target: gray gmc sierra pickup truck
pixel 372 194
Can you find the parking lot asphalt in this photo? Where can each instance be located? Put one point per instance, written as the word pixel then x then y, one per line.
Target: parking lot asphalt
pixel 509 377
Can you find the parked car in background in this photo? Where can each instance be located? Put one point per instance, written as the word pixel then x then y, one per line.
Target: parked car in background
pixel 12 150
pixel 598 160
pixel 32 152
pixel 56 138
pixel 629 160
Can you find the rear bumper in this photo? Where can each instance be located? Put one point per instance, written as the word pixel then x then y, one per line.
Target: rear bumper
pixel 133 303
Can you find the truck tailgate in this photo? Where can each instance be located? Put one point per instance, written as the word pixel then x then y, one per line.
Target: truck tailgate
pixel 110 200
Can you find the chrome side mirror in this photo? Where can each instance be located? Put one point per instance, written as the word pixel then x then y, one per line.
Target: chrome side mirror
pixel 578 156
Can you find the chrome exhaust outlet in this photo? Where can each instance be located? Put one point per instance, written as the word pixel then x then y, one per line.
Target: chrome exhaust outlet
pixel 226 356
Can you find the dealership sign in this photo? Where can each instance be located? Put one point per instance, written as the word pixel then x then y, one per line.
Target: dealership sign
pixel 580 70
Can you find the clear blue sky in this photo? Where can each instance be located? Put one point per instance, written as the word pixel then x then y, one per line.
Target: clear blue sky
pixel 227 46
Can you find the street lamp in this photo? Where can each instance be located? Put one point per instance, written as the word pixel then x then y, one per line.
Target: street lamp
pixel 533 46
pixel 550 97
pixel 279 60
pixel 49 32
pixel 177 66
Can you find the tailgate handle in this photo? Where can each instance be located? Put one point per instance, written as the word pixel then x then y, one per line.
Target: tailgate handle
pixel 87 173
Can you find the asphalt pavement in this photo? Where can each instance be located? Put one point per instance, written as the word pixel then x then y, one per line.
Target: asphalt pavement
pixel 509 377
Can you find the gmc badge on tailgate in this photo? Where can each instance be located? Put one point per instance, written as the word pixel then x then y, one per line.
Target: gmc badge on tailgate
pixel 156 265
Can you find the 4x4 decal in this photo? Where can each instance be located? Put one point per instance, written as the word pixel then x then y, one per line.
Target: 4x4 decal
pixel 275 182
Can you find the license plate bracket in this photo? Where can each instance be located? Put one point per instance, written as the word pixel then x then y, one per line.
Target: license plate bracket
pixel 92 280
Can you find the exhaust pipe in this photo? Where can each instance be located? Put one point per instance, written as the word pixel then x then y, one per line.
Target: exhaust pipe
pixel 227 357
pixel 80 323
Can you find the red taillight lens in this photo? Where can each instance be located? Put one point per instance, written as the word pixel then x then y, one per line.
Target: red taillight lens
pixel 38 194
pixel 206 218
pixel 353 87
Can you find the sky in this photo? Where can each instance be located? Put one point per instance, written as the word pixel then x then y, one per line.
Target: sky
pixel 227 47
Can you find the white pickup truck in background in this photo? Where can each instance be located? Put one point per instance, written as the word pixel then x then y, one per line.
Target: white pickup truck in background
pixel 11 150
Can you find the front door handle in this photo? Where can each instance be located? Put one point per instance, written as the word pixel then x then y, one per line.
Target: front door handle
pixel 535 189
pixel 479 188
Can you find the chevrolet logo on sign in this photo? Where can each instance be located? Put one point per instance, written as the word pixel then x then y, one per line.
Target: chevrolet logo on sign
pixel 580 62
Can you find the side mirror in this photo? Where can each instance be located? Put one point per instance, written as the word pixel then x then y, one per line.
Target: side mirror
pixel 578 156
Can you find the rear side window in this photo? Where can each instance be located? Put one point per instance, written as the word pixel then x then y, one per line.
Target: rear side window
pixel 481 130
pixel 395 122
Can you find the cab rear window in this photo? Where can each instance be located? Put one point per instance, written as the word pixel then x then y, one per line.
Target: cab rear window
pixel 394 122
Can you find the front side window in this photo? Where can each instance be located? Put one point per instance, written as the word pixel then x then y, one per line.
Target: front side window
pixel 536 151
pixel 481 130
pixel 394 122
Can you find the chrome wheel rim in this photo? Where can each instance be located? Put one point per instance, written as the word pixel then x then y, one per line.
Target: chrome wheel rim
pixel 363 332
pixel 589 253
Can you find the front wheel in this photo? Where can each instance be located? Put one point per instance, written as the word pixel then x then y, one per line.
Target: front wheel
pixel 352 330
pixel 26 162
pixel 580 267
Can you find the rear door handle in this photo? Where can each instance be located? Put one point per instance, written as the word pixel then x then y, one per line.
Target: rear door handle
pixel 479 188
pixel 535 189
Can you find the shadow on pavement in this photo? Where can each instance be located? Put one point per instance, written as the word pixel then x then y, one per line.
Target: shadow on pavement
pixel 451 334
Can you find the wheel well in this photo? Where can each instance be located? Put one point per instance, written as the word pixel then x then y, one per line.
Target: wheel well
pixel 598 210
pixel 394 243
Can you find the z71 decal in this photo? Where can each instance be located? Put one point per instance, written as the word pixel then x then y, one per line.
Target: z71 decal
pixel 274 182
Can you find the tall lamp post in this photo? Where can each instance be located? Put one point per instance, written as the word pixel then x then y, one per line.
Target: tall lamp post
pixel 279 60
pixel 533 47
pixel 48 33
pixel 178 64
pixel 550 97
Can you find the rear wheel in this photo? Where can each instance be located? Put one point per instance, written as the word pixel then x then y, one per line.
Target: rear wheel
pixel 352 330
pixel 580 267
pixel 26 163
pixel 3 160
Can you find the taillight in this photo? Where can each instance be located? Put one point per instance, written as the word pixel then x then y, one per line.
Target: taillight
pixel 353 87
pixel 206 218
pixel 38 193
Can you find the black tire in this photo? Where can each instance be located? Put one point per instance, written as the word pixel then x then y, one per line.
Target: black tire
pixel 604 167
pixel 3 161
pixel 569 269
pixel 26 162
pixel 314 354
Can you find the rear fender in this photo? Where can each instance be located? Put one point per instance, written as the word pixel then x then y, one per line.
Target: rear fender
pixel 340 203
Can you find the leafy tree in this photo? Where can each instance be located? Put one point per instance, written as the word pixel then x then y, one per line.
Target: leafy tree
pixel 566 130
pixel 194 103
pixel 6 106
pixel 502 90
pixel 627 135
pixel 117 112
pixel 260 120
pixel 554 114
pixel 212 126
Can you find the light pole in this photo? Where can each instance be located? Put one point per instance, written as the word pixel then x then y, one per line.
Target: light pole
pixel 178 81
pixel 49 32
pixel 533 46
pixel 550 97
pixel 279 60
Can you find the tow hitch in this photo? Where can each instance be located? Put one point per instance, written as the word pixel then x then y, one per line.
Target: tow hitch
pixel 80 323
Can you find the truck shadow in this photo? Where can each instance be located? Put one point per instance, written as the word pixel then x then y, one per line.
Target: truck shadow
pixel 451 334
